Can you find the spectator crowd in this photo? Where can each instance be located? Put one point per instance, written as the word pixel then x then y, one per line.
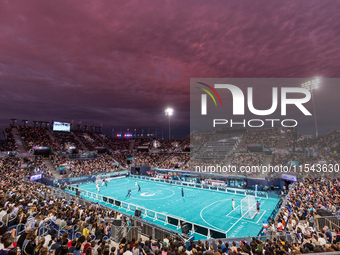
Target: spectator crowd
pixel 32 206
pixel 79 167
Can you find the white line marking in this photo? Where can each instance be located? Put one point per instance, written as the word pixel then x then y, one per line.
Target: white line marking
pixel 235 223
pixel 242 220
pixel 190 192
pixel 231 211
pixel 239 220
pixel 260 217
pixel 207 207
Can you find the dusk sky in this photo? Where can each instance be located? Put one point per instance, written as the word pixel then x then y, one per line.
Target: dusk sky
pixel 121 63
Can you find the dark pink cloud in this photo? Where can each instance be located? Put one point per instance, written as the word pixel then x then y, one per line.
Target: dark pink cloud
pixel 121 63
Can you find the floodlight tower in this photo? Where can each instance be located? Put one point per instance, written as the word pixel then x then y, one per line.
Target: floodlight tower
pixel 13 121
pixel 311 85
pixel 169 112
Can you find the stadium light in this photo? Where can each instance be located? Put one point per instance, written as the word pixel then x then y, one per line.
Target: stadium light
pixel 13 121
pixel 169 112
pixel 311 85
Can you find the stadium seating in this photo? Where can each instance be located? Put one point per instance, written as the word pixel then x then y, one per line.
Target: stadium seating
pixel 79 167
pixel 9 144
pixel 30 208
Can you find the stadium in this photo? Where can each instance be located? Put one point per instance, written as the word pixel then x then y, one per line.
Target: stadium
pixel 145 186
pixel 169 127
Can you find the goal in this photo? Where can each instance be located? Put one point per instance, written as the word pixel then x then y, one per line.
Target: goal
pixel 248 207
pixel 100 178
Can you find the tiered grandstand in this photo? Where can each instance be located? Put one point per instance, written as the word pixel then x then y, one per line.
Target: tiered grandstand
pixel 49 216
pixel 90 139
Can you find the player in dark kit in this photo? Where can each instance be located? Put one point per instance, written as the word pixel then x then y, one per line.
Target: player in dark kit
pixel 182 192
pixel 129 193
pixel 139 189
pixel 258 206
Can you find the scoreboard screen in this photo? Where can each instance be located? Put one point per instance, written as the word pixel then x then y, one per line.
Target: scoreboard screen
pixel 61 126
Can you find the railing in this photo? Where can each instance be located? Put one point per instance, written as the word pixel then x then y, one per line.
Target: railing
pixel 44 230
pixel 148 229
pixel 162 218
pixel 133 232
pixel 157 232
pixel 205 186
pixel 19 229
pixel 288 237
pixel 332 222
pixel 117 233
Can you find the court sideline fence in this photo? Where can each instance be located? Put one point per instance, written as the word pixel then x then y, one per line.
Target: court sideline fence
pixel 289 237
pixel 140 227
pixel 145 228
pixel 163 218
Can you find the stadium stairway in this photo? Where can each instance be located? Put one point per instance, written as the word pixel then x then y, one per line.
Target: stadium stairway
pixel 242 142
pixel 132 145
pixel 283 138
pixel 268 159
pixel 52 169
pixel 106 145
pixel 77 138
pixel 335 143
pixel 18 140
pixel 227 160
pixel 259 174
pixel 100 139
pixel 50 134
